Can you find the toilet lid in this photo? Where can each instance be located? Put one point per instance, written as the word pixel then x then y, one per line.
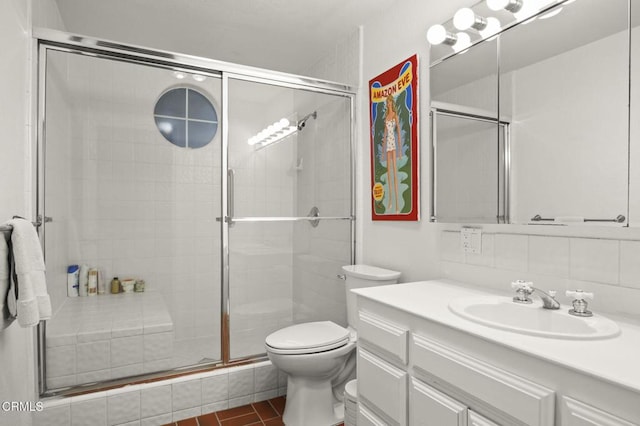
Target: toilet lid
pixel 309 337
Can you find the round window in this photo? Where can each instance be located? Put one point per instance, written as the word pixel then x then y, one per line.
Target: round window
pixel 186 118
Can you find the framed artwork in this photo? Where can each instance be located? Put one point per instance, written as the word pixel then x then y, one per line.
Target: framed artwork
pixel 393 103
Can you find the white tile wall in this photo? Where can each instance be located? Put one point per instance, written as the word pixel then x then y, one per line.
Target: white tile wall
pixel 549 255
pixel 608 267
pixel 167 401
pixel 595 260
pixel 511 251
pixel 108 337
pixel 629 264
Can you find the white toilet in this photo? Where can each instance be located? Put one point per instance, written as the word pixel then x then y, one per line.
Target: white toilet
pixel 319 356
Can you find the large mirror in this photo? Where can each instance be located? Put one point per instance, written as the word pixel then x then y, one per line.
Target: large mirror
pixel 562 140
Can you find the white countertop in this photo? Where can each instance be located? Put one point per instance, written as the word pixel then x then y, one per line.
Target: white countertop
pixel 613 359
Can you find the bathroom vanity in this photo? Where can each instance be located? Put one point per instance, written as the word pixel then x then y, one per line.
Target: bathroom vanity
pixel 420 363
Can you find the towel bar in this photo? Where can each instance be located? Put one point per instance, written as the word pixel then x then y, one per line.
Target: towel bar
pixel 619 219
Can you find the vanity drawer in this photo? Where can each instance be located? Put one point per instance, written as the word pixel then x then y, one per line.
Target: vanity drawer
pixel 384 334
pixel 516 396
pixel 576 413
pixel 427 406
pixel 382 386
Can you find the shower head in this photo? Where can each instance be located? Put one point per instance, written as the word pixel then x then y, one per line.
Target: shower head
pixel 303 122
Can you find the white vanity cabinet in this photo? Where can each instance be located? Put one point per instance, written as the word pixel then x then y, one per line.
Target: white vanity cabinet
pixel 428 370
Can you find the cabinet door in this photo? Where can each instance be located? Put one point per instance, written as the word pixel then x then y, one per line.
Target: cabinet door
pixel 383 386
pixel 429 407
pixel 576 413
pixel 476 419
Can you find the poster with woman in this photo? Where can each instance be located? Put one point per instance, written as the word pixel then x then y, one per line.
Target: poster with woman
pixel 393 102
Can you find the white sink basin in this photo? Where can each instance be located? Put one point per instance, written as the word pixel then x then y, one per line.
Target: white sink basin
pixel 503 313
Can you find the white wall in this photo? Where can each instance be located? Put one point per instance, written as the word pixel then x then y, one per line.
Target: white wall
pixel 16 344
pixel 409 247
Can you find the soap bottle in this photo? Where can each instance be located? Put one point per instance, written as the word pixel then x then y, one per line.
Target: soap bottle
pixel 92 286
pixel 83 289
pixel 115 285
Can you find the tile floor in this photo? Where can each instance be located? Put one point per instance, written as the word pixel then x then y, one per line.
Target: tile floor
pixel 259 413
pixel 266 413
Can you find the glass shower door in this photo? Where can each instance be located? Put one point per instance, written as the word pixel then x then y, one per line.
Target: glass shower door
pixel 133 194
pixel 289 161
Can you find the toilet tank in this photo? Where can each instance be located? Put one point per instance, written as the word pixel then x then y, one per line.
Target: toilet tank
pixel 359 276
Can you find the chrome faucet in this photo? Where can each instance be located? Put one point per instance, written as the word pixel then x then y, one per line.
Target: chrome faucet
pixel 548 299
pixel 524 289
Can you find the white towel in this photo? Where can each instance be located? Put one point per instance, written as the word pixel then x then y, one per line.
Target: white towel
pixel 33 302
pixel 6 318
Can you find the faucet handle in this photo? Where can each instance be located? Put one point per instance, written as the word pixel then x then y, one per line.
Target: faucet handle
pixel 523 290
pixel 522 285
pixel 579 294
pixel 579 304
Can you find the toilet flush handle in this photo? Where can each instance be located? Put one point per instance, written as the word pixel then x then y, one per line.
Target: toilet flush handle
pixel 341 276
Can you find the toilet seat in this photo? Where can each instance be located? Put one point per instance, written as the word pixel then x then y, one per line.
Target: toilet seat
pixel 308 338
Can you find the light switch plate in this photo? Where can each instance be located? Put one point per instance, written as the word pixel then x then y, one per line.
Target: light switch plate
pixel 471 240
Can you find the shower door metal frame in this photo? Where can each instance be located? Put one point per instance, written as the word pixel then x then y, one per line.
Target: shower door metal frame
pixel 46 40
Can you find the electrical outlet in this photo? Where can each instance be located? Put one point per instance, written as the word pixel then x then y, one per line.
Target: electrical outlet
pixel 471 240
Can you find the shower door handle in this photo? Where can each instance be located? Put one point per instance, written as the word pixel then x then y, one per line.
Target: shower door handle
pixel 231 174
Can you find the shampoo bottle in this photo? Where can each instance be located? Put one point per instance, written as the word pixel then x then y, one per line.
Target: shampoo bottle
pixel 72 280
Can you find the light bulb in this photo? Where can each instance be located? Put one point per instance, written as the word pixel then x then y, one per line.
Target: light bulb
pixel 198 77
pixel 437 34
pixel 465 18
pixel 284 123
pixel 179 75
pixel 463 41
pixel 493 27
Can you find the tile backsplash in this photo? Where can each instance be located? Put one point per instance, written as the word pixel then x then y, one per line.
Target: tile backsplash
pixel 607 266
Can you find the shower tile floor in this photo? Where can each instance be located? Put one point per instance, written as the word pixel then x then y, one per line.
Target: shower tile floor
pixel 267 413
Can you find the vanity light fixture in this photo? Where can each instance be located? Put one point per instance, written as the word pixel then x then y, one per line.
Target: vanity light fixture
pixel 273 133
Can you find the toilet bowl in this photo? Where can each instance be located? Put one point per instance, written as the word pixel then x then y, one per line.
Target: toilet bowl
pixel 319 357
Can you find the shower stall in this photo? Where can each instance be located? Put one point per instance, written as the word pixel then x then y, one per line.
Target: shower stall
pixel 227 190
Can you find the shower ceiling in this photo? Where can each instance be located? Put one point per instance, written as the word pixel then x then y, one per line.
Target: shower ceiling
pixel 282 35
